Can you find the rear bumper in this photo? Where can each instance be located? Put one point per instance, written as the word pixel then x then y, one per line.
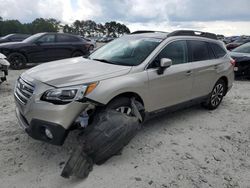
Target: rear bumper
pixel 36 129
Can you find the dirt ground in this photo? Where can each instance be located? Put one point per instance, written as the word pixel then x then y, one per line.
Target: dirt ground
pixel 189 148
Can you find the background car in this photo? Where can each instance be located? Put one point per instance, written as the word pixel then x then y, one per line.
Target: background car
pixel 241 55
pixel 237 43
pixel 44 47
pixel 13 38
pixel 4 65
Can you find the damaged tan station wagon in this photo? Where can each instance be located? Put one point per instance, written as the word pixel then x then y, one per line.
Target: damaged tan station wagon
pixel 155 71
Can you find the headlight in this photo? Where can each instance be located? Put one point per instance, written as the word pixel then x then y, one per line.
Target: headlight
pixel 69 94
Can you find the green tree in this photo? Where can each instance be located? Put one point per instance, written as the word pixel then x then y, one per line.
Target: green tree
pixel 44 25
pixel 11 26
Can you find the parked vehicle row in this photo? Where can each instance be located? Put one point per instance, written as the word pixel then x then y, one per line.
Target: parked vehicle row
pixel 237 43
pixel 44 47
pixel 105 39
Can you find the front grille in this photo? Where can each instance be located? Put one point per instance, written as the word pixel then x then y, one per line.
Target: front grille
pixel 24 90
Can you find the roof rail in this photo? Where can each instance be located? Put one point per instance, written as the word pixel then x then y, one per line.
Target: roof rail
pixel 193 33
pixel 146 31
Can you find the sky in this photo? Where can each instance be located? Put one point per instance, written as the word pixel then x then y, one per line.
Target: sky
pixel 228 17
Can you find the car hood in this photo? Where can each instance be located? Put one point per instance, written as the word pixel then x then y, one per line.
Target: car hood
pixel 74 71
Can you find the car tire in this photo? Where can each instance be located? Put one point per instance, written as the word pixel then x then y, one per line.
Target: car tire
pixel 79 165
pixel 216 96
pixel 17 61
pixel 77 54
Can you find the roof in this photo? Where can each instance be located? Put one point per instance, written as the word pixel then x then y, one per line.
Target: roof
pixel 158 35
pixel 163 35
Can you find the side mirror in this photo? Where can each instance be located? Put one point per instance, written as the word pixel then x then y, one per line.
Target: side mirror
pixel 164 63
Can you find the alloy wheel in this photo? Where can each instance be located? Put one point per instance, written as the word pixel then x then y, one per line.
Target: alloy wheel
pixel 217 94
pixel 125 110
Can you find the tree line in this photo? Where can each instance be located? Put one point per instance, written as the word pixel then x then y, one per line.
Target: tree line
pixel 84 27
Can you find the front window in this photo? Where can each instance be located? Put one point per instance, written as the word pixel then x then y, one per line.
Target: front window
pixel 33 37
pixel 50 38
pixel 128 51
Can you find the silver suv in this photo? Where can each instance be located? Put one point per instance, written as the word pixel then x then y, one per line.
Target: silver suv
pixel 158 71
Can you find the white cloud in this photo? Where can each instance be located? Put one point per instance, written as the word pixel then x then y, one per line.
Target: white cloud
pixel 85 10
pixel 224 16
pixel 27 10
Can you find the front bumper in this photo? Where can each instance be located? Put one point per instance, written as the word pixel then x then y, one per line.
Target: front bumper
pixel 35 116
pixel 36 129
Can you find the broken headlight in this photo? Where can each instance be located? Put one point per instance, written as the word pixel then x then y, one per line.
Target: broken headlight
pixel 69 94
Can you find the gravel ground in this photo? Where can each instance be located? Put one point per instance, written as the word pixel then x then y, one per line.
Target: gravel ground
pixel 188 148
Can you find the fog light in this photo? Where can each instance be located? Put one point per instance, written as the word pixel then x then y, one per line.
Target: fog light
pixel 48 134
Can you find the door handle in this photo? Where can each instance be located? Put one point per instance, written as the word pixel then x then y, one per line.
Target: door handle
pixel 188 73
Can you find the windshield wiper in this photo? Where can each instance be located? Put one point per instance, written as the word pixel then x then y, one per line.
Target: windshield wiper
pixel 104 60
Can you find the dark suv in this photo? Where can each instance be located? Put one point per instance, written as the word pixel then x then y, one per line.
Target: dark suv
pixel 43 47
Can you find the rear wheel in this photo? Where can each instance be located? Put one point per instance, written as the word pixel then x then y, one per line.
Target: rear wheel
pixel 216 95
pixel 17 61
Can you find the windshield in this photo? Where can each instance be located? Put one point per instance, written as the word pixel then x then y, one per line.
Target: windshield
pixel 33 37
pixel 128 51
pixel 245 48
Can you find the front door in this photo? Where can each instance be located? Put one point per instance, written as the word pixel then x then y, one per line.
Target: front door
pixel 43 49
pixel 174 86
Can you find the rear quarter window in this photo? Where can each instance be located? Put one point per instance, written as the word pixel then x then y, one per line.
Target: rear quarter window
pixel 66 38
pixel 218 50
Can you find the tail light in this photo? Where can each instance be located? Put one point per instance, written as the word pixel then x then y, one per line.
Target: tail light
pixel 233 62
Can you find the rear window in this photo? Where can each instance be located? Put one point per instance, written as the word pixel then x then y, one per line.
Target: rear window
pixel 218 50
pixel 199 51
pixel 66 38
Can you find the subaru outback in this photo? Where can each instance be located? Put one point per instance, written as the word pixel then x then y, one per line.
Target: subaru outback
pixel 158 71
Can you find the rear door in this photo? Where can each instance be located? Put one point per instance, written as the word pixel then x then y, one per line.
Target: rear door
pixel 174 86
pixel 204 65
pixel 65 45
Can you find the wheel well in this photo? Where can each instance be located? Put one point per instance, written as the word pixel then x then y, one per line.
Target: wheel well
pixel 129 95
pixel 77 51
pixel 224 78
pixel 26 57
